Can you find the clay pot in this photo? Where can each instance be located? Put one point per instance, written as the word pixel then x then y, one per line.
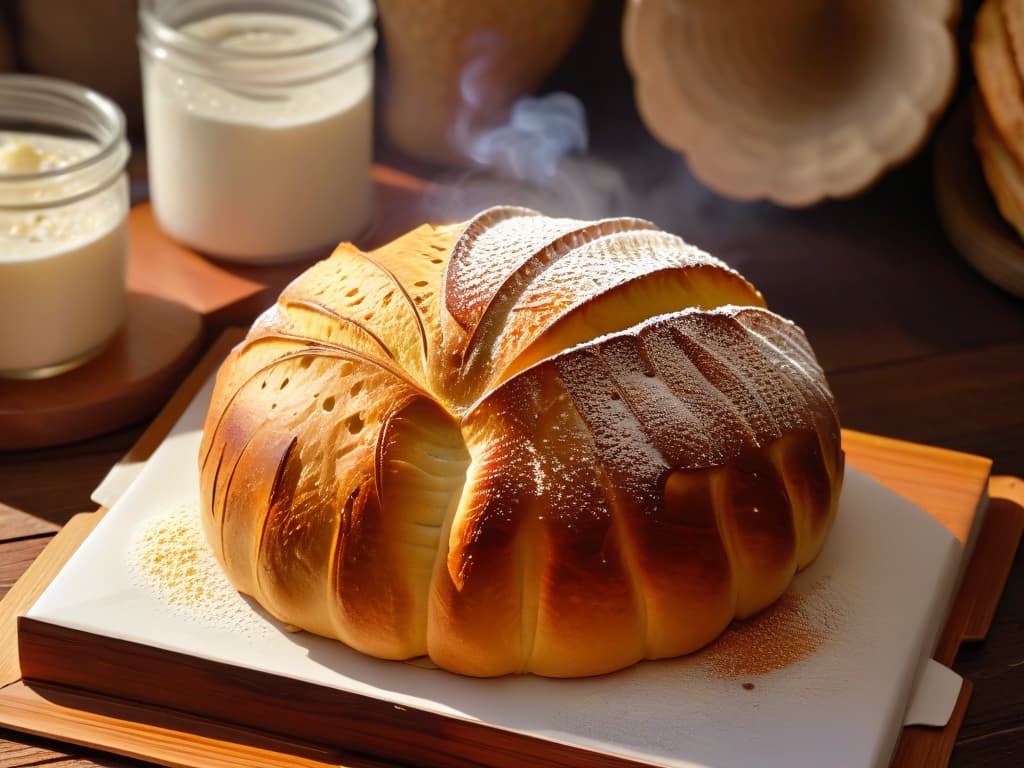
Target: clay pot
pixel 92 43
pixel 455 67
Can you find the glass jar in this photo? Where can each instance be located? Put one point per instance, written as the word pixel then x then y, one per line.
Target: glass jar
pixel 259 123
pixel 63 224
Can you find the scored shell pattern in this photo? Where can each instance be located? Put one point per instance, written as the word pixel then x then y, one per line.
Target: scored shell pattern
pixel 520 444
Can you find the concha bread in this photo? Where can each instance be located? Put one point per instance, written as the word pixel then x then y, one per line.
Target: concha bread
pixel 520 444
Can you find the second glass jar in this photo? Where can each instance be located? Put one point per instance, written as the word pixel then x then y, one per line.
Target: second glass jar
pixel 259 123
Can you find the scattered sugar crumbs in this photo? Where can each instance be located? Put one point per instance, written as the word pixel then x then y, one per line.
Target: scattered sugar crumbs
pixel 169 556
pixel 785 633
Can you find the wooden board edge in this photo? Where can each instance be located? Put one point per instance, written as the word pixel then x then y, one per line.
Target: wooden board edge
pixel 32 583
pixel 935 452
pixel 995 554
pixel 1007 487
pixel 923 747
pixel 984 579
pixel 971 616
pixel 298 710
pixel 939 480
pixel 186 741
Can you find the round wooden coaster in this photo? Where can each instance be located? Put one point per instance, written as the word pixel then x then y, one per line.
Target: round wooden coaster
pixel 967 210
pixel 126 382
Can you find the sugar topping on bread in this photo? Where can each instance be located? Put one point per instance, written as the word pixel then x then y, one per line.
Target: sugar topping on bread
pixel 520 444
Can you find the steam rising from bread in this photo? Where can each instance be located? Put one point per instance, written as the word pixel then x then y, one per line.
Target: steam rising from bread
pixel 537 158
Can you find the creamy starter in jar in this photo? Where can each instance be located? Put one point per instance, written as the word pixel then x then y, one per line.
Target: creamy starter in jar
pixel 259 133
pixel 62 263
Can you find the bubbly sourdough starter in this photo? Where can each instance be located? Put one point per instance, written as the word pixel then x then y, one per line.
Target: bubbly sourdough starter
pixel 62 270
pixel 259 175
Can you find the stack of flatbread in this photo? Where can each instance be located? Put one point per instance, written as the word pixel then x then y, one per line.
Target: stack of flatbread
pixel 998 53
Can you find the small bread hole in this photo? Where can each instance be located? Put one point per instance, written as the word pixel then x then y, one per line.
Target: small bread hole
pixel 306 362
pixel 285 382
pixel 356 388
pixel 356 302
pixel 328 403
pixel 354 424
pixel 436 261
pixel 352 292
pixel 264 384
pixel 368 316
pixel 421 283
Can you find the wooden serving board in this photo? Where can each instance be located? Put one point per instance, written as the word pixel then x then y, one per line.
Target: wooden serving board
pixel 126 382
pixel 947 484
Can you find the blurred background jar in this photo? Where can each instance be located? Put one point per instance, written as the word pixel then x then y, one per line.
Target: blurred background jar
pixel 89 42
pixel 63 230
pixel 259 123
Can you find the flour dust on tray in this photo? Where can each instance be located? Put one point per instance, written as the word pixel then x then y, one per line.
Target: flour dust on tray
pixel 782 635
pixel 170 557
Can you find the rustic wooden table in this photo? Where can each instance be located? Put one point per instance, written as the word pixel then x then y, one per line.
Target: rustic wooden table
pixel 915 343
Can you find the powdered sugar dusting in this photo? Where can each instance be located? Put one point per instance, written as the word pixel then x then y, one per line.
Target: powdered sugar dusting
pixel 719 431
pixel 692 389
pixel 671 422
pixel 623 445
pixel 591 269
pixel 786 343
pixel 748 373
pixel 494 246
pixel 170 557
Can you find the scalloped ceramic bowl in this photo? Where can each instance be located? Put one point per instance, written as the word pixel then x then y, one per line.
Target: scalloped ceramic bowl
pixel 793 100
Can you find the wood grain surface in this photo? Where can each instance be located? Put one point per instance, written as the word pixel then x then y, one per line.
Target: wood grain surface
pixel 916 343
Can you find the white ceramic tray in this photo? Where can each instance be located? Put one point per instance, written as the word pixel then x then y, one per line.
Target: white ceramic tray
pixel 875 599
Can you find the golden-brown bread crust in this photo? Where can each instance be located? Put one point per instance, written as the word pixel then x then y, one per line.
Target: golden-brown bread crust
pixel 1003 174
pixel 999 79
pixel 1013 20
pixel 998 105
pixel 520 445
